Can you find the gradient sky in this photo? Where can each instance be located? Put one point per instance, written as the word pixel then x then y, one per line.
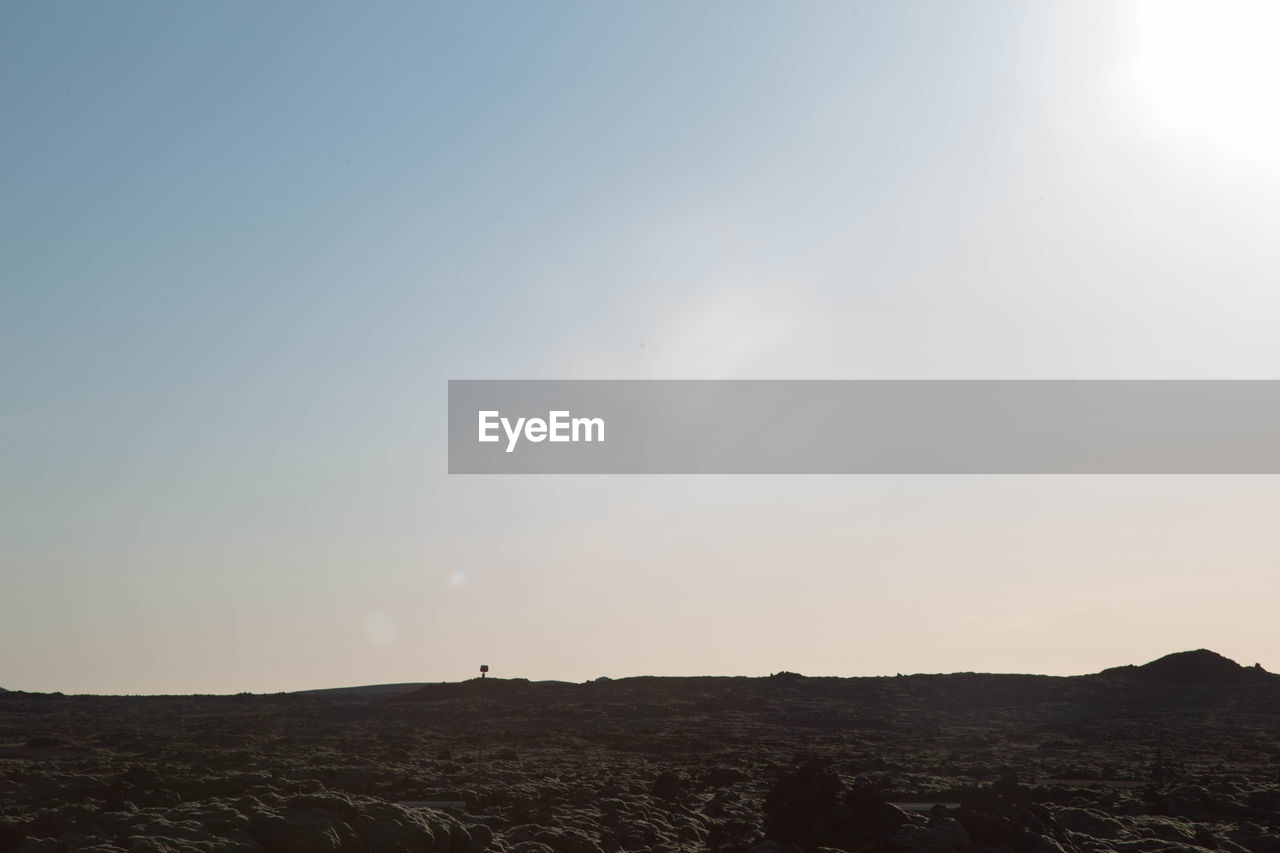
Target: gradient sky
pixel 244 246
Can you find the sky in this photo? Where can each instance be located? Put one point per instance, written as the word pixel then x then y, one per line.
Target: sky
pixel 243 248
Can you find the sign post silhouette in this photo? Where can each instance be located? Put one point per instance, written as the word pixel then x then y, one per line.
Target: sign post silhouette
pixel 484 669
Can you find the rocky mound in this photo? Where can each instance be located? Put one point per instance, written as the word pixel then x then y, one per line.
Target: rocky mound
pixel 1197 667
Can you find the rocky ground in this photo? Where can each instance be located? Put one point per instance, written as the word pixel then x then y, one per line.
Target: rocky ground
pixel 1180 754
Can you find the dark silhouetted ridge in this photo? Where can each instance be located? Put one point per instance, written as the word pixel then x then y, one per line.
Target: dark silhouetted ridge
pixel 365 691
pixel 1198 667
pixel 972 688
pixel 487 687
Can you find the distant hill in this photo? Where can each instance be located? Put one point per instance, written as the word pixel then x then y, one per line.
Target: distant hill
pixel 1190 668
pixel 368 691
pixel 475 687
pixel 1200 666
pixel 1197 667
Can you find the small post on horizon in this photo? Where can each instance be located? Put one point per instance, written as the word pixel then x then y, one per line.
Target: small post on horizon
pixel 484 670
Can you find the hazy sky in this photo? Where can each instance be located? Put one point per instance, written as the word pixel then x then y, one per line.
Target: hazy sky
pixel 244 246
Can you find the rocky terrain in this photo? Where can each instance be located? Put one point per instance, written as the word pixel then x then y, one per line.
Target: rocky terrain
pixel 1180 754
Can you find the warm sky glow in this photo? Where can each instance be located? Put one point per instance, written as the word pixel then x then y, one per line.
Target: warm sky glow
pixel 241 253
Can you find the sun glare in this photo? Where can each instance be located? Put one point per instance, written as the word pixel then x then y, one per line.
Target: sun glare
pixel 1208 72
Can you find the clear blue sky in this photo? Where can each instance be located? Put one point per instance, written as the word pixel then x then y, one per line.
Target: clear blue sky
pixel 243 247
